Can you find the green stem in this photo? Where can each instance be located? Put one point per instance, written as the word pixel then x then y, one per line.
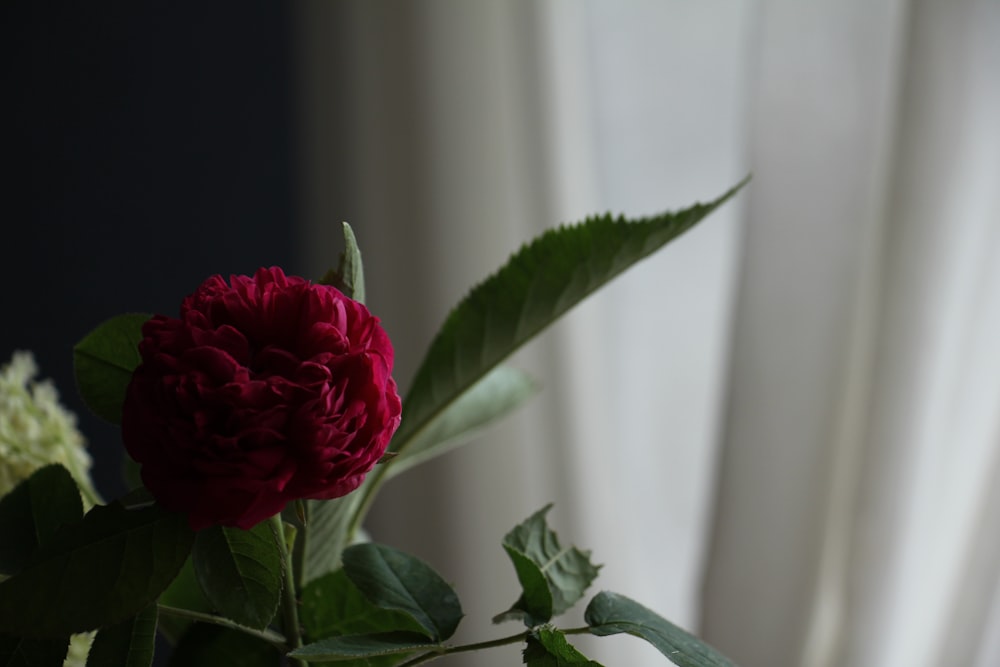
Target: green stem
pixel 299 539
pixel 289 604
pixel 464 648
pixel 267 635
pixel 479 646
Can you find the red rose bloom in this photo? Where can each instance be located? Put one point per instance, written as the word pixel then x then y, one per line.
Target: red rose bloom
pixel 266 390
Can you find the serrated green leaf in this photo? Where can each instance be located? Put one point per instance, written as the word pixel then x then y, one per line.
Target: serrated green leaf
pixel 548 647
pixel 349 276
pixel 33 511
pixel 537 285
pixel 21 652
pixel 213 646
pixel 184 592
pixel 96 572
pixel 535 604
pixel 502 390
pixel 552 578
pixel 103 363
pixel 240 572
pixel 332 606
pixel 611 614
pixel 127 644
pixel 391 579
pixel 363 647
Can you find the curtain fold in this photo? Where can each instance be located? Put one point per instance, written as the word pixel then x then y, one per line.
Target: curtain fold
pixel 782 432
pixel 934 429
pixel 820 143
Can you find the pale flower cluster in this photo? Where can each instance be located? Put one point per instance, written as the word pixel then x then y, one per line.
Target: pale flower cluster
pixel 35 430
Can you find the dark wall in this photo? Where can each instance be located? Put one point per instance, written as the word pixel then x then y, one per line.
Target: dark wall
pixel 145 147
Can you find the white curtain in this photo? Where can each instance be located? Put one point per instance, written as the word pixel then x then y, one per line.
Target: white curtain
pixel 783 431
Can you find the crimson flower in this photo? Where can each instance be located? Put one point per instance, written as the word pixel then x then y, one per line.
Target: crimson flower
pixel 265 390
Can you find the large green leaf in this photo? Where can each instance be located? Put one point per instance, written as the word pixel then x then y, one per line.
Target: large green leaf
pixel 611 614
pixel 537 285
pixel 213 646
pixel 21 652
pixel 548 647
pixel 184 592
pixel 498 393
pixel 103 363
pixel 363 649
pixel 332 606
pixel 127 644
pixel 240 572
pixel 349 276
pixel 391 579
pixel 96 572
pixel 552 577
pixel 31 513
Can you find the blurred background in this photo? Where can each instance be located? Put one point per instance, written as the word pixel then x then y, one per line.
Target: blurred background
pixel 781 432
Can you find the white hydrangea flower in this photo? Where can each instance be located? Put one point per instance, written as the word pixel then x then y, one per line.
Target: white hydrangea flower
pixel 79 648
pixel 35 430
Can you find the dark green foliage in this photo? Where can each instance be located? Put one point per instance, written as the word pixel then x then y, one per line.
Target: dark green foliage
pixel 96 572
pixel 240 572
pixel 103 363
pixel 33 511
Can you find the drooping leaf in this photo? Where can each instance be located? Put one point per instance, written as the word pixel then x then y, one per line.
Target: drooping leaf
pixel 240 572
pixel 536 286
pixel 364 647
pixel 96 572
pixel 495 395
pixel 349 276
pixel 206 645
pixel 611 614
pixel 535 604
pixel 22 652
pixel 332 606
pixel 103 363
pixel 548 647
pixel 552 578
pixel 391 579
pixel 127 644
pixel 184 592
pixel 33 511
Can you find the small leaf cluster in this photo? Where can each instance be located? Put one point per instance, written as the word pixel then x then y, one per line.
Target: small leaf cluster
pixel 388 608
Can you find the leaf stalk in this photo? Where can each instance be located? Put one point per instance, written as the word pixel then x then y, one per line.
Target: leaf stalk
pixel 270 636
pixel 479 646
pixel 289 604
